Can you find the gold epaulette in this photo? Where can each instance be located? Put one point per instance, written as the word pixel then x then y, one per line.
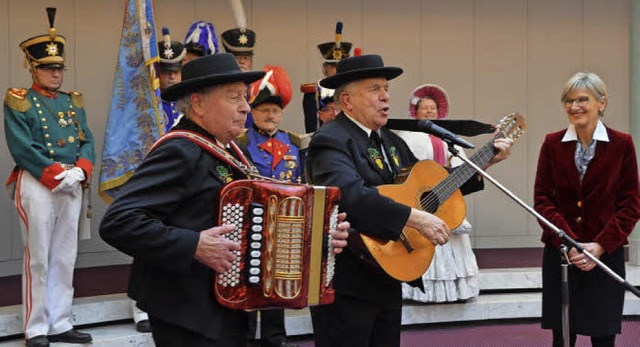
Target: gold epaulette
pixel 16 99
pixel 243 139
pixel 301 141
pixel 308 88
pixel 77 99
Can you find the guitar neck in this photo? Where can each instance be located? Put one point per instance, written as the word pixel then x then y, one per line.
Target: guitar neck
pixel 462 173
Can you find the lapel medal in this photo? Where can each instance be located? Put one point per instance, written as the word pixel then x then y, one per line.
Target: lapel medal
pixel 224 173
pixel 394 156
pixel 374 154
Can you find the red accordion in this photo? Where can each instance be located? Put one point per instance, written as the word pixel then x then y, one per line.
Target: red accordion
pixel 286 259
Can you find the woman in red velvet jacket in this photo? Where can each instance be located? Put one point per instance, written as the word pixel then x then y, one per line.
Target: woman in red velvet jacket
pixel 586 185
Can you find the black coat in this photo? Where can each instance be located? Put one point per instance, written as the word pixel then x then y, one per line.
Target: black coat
pixel 157 219
pixel 339 156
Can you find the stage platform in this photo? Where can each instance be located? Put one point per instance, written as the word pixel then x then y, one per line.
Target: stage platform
pixel 506 293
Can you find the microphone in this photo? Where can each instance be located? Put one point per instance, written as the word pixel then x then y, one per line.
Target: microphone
pixel 427 126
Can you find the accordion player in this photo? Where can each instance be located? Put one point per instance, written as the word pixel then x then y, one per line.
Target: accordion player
pixel 286 259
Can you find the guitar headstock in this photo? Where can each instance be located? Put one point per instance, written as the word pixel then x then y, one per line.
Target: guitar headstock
pixel 512 126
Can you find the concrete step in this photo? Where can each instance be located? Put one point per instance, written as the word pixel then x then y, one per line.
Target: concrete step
pixel 494 302
pixel 116 335
pixel 85 311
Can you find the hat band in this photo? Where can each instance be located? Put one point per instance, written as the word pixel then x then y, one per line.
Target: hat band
pixel 176 59
pixel 235 49
pixel 40 39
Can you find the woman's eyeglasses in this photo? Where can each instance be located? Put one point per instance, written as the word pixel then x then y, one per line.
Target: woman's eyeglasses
pixel 581 101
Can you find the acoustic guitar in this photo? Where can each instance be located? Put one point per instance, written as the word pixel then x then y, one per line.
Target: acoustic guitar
pixel 431 188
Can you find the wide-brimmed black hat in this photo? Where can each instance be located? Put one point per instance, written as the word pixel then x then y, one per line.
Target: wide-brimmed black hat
pixel 208 71
pixel 360 67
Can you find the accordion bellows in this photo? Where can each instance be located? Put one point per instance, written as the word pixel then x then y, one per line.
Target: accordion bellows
pixel 286 259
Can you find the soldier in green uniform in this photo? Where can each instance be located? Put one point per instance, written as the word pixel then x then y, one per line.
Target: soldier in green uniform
pixel 47 135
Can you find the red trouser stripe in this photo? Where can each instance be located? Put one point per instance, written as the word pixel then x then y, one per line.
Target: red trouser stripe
pixel 27 256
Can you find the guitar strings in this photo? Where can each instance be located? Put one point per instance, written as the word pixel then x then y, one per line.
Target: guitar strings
pixel 449 187
pixel 459 175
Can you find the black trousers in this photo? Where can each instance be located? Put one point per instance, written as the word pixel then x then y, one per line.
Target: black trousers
pixel 170 335
pixel 596 341
pixel 355 322
pixel 272 329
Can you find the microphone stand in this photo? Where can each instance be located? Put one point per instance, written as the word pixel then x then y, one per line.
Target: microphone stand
pixel 567 240
pixel 564 302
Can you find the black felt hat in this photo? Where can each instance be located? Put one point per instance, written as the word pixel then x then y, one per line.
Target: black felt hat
pixel 45 49
pixel 208 71
pixel 333 52
pixel 170 52
pixel 360 67
pixel 239 40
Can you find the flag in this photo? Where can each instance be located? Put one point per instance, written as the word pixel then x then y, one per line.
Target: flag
pixel 135 115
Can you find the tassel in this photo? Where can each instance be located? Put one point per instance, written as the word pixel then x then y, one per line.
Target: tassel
pixel 204 35
pixel 357 52
pixel 51 13
pixel 338 34
pixel 167 37
pixel 238 14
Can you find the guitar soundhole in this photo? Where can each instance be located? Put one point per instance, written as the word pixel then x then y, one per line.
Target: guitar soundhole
pixel 429 202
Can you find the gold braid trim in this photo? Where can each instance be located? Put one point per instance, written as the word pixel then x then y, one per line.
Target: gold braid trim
pixel 243 139
pixel 301 141
pixel 78 100
pixel 16 99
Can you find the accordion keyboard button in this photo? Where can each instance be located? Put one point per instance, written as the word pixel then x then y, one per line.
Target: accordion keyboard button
pixel 254 279
pixel 254 271
pixel 255 254
pixel 257 211
pixel 256 245
pixel 256 228
pixel 257 220
pixel 256 237
pixel 254 262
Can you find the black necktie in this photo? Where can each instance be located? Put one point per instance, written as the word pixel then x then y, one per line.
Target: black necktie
pixel 377 140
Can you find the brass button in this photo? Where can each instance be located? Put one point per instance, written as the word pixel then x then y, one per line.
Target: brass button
pixel 46 136
pixel 579 203
pixel 52 152
pixel 579 220
pixel 44 119
pixel 46 127
pixel 49 144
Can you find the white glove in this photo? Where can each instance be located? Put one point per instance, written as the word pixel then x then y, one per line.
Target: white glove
pixel 69 180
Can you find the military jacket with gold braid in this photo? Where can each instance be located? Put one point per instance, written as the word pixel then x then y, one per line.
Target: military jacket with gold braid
pixel 46 133
pixel 276 156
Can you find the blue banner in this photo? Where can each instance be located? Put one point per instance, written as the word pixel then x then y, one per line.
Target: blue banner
pixel 134 122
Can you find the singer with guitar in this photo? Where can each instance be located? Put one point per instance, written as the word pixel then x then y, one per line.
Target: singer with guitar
pixel 356 153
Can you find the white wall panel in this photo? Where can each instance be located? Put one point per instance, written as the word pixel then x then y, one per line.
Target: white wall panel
pixel 500 87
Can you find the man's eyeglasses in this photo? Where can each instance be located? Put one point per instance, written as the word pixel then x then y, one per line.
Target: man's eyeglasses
pixel 581 101
pixel 51 68
pixel 330 109
pixel 274 111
